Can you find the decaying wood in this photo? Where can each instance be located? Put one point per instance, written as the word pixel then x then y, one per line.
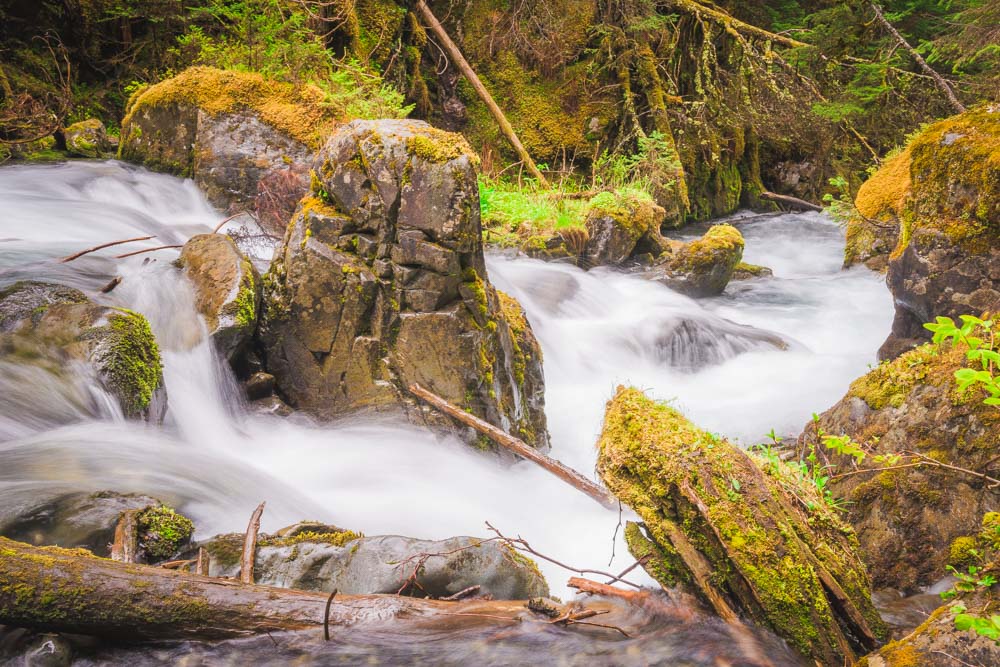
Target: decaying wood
pixel 728 22
pixel 938 79
pixel 250 546
pixel 201 562
pixel 463 65
pixel 140 252
pixel 462 594
pixel 519 447
pixel 791 202
pixel 597 588
pixel 113 283
pixel 64 590
pixel 126 545
pixel 80 254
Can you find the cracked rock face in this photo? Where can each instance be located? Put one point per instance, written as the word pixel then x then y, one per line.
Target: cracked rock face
pixel 380 282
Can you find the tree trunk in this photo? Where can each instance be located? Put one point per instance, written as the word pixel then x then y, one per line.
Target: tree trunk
pixel 791 202
pixel 70 590
pixel 456 55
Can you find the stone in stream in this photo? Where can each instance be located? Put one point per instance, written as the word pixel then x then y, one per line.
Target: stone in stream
pixel 704 266
pixel 746 271
pixel 229 131
pixel 906 519
pixel 87 138
pixel 937 205
pixel 621 226
pixel 227 291
pixel 380 282
pixel 49 326
pixel 744 535
pixel 311 558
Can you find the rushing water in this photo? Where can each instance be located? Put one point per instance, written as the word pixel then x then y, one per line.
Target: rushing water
pixel 765 355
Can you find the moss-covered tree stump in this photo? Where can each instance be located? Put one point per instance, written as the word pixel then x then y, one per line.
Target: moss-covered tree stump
pixel 753 545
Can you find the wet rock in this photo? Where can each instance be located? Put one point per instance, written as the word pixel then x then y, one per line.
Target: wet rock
pixel 228 130
pixel 162 532
pixel 380 282
pixel 704 266
pixel 620 226
pixel 939 641
pixel 271 405
pixel 227 290
pixel 745 271
pixel 73 520
pixel 907 518
pixel 259 385
pixel 937 207
pixel 690 344
pixel 88 138
pixel 356 565
pixel 719 525
pixel 26 648
pixel 116 344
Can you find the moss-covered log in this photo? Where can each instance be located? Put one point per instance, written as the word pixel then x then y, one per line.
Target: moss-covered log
pixel 757 544
pixel 70 590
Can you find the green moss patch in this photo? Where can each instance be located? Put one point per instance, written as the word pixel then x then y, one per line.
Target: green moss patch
pixel 129 359
pixel 162 532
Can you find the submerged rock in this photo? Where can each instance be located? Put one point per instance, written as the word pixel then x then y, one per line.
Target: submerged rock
pixel 907 518
pixel 940 199
pixel 380 282
pixel 704 266
pixel 357 565
pixel 621 226
pixel 74 520
pixel 227 130
pixel 746 540
pixel 51 326
pixel 227 290
pixel 88 138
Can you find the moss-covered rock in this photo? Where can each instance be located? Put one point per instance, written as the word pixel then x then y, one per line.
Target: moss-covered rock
pixel 756 543
pixel 226 129
pixel 621 225
pixel 704 266
pixel 746 271
pixel 941 199
pixel 907 519
pixel 227 290
pixel 88 138
pixel 62 326
pixel 381 282
pixel 162 532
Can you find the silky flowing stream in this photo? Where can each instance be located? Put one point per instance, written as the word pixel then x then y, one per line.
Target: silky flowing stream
pixel 765 355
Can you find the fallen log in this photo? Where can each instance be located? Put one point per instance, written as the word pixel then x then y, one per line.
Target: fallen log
pixel 463 65
pixel 519 447
pixel 70 590
pixel 791 202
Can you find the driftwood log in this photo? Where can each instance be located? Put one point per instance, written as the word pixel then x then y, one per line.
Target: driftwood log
pixel 519 447
pixel 70 590
pixel 791 202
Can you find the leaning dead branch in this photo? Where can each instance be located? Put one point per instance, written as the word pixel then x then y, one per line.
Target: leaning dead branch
pixel 519 447
pixel 140 252
pixel 80 254
pixel 126 545
pixel 791 202
pixel 250 546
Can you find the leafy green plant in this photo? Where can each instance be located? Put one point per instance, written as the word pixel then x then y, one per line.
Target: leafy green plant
pixel 980 337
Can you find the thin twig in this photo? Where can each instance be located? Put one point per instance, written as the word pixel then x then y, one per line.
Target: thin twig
pixel 139 252
pixel 223 222
pixel 521 544
pixel 464 593
pixel 326 616
pixel 80 254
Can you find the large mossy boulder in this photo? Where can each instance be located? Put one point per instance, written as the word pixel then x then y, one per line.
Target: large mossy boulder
pixel 87 138
pixel 52 327
pixel 907 518
pixel 620 226
pixel 940 199
pixel 227 130
pixel 748 540
pixel 702 267
pixel 380 283
pixel 227 290
pixel 325 559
